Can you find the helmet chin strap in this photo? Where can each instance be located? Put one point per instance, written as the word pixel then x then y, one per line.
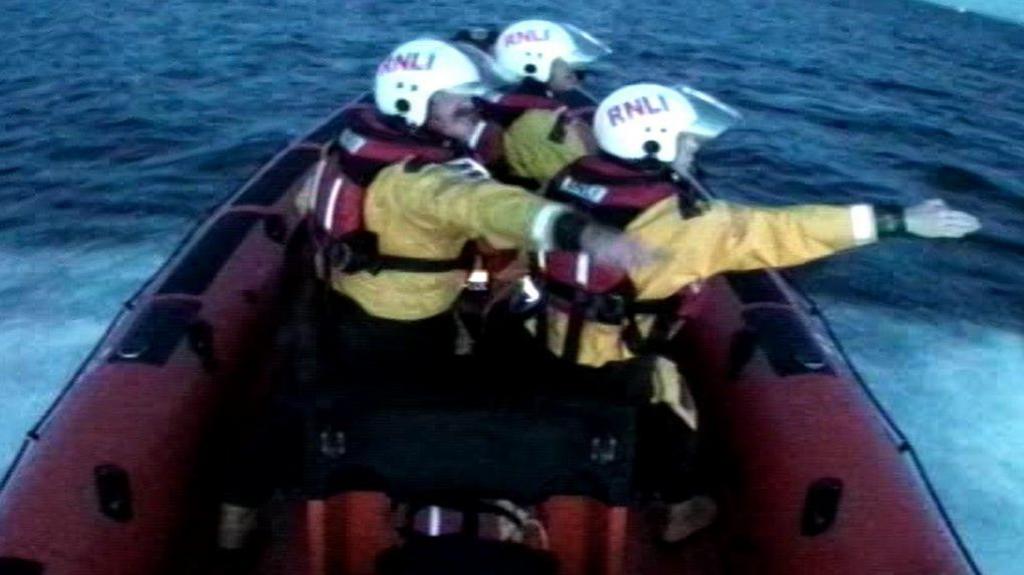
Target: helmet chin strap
pixel 690 179
pixel 650 161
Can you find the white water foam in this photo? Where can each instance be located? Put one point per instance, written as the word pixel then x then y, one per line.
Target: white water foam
pixel 1011 10
pixel 57 304
pixel 954 388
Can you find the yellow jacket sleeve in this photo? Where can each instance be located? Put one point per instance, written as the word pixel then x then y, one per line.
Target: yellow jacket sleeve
pixel 532 149
pixel 450 201
pixel 729 237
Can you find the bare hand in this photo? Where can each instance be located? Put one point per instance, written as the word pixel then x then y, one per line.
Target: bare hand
pixel 934 219
pixel 611 247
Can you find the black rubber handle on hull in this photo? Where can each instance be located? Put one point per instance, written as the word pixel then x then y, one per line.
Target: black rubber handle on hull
pixel 200 341
pixel 821 506
pixel 114 491
pixel 18 566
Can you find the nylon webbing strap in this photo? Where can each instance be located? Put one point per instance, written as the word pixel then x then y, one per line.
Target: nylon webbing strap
pixel 577 313
pixel 396 263
pixel 612 309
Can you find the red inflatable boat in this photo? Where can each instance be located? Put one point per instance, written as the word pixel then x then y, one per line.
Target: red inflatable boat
pixel 120 475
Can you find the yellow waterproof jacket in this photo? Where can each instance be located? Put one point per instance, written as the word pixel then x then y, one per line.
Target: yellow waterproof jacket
pixel 727 237
pixel 430 212
pixel 540 143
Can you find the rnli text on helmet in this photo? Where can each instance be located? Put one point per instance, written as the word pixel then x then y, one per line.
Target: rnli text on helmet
pixel 409 61
pixel 635 108
pixel 527 36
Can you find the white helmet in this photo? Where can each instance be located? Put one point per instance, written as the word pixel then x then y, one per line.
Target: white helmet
pixel 529 48
pixel 416 70
pixel 645 120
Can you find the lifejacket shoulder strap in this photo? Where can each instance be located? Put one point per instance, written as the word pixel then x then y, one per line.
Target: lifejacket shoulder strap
pixel 368 144
pixel 615 194
pixel 611 197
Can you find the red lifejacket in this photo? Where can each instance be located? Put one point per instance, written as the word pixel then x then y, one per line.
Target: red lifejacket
pixel 506 107
pixel 348 164
pixel 613 194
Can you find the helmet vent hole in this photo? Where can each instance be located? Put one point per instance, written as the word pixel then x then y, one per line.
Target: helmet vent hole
pixel 663 130
pixel 530 69
pixel 651 147
pixel 402 105
pixel 414 87
pixel 648 130
pixel 400 85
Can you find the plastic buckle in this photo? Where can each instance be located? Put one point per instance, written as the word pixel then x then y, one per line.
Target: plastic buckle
pixel 603 450
pixel 609 308
pixel 332 443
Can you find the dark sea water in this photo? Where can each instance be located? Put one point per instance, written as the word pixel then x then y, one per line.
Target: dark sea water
pixel 121 123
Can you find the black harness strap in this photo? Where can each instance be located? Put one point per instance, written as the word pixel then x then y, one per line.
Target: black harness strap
pixel 577 313
pixel 537 274
pixel 396 263
pixel 610 309
pixel 359 252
